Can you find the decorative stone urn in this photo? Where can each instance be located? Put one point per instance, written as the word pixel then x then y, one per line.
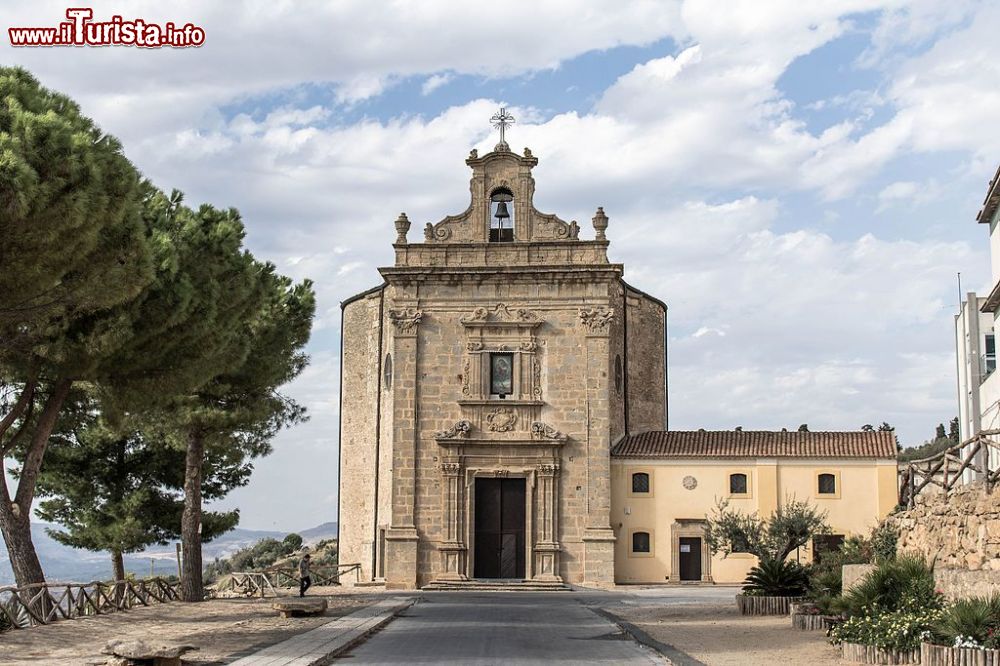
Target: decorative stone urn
pixel 402 227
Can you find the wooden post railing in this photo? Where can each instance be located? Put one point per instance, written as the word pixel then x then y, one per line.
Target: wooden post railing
pixel 945 470
pixel 44 603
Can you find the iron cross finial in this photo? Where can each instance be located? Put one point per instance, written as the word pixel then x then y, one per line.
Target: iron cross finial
pixel 502 120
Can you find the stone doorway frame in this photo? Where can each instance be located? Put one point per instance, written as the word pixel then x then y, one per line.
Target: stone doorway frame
pixel 536 460
pixel 689 527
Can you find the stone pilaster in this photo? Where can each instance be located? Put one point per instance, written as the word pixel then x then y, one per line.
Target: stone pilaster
pixel 598 537
pixel 453 550
pixel 547 546
pixel 401 537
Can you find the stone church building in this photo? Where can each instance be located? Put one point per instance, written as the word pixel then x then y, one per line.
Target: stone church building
pixel 485 388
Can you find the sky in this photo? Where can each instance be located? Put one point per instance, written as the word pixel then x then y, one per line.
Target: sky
pixel 797 180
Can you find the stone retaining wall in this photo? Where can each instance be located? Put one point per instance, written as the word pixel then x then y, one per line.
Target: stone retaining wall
pixel 960 535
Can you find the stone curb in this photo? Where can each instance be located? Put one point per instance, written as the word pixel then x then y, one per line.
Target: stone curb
pixel 320 652
pixel 668 652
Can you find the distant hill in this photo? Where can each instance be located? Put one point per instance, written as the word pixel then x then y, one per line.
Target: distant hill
pixel 62 563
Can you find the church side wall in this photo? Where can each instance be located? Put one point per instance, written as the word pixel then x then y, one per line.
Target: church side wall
pixel 357 431
pixel 646 363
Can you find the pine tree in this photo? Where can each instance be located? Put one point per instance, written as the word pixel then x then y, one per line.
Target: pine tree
pixel 120 492
pixel 72 244
pixel 239 412
pixel 939 432
pixel 953 431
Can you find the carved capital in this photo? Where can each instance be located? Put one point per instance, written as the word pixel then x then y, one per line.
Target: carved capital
pixel 597 320
pixel 405 319
pixel 548 469
pixel 460 430
pixel 540 430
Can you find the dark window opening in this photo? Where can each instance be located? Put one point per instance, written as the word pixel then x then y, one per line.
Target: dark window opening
pixel 502 216
pixel 640 542
pixel 827 484
pixel 826 543
pixel 737 484
pixel 640 482
pixel 501 374
pixel 387 380
pixel 990 357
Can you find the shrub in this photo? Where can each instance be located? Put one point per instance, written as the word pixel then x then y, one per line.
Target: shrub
pixel 291 543
pixel 904 584
pixel 776 578
pixel 892 630
pixel 971 622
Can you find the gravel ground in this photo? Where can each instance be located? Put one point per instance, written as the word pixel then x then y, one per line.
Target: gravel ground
pixel 716 634
pixel 220 628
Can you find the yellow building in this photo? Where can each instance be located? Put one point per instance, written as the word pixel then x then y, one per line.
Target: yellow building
pixel 665 483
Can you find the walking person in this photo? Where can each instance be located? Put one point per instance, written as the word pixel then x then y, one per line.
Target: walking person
pixel 304 580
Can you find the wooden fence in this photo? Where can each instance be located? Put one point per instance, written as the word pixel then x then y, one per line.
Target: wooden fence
pixel 260 583
pixel 44 603
pixel 979 454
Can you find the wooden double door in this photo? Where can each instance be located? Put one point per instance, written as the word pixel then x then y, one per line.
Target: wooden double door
pixel 500 519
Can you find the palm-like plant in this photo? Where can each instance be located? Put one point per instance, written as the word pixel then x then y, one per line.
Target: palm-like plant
pixel 903 584
pixel 977 618
pixel 776 578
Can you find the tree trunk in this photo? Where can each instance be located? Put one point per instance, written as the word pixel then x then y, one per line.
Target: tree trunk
pixel 118 565
pixel 15 516
pixel 16 531
pixel 192 588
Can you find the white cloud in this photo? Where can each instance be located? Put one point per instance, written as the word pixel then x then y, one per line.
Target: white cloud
pixel 434 82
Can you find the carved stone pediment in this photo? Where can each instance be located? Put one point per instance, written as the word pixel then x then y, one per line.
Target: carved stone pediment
pixel 501 313
pixel 501 419
pixel 459 430
pixel 541 430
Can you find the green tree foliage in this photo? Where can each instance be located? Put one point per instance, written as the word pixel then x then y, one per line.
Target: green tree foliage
pixel 953 431
pixel 120 492
pixel 932 447
pixel 773 538
pixel 237 413
pixel 72 244
pixel 261 555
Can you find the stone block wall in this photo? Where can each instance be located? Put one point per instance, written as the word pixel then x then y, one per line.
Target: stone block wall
pixel 960 534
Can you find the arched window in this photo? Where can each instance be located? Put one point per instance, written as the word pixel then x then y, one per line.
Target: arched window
pixel 640 542
pixel 640 482
pixel 501 216
pixel 827 484
pixel 737 484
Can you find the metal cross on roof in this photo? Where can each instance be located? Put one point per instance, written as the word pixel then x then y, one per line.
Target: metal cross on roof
pixel 502 120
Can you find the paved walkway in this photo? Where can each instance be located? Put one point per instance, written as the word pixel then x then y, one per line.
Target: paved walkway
pixel 331 638
pixel 500 627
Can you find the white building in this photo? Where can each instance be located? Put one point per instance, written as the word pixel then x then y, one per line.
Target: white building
pixel 975 345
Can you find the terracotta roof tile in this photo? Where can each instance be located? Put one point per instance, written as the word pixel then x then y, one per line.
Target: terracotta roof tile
pixel 756 444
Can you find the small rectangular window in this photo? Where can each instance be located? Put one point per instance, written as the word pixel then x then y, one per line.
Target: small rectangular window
pixel 827 484
pixel 990 357
pixel 640 542
pixel 737 484
pixel 640 482
pixel 501 374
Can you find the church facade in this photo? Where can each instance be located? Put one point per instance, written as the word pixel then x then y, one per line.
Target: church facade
pixel 485 386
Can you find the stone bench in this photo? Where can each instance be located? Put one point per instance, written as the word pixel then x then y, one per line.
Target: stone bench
pixel 299 607
pixel 134 652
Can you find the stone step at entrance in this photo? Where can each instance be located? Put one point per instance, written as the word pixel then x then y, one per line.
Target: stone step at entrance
pixel 497 585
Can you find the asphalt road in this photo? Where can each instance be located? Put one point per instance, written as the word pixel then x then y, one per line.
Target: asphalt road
pixel 500 628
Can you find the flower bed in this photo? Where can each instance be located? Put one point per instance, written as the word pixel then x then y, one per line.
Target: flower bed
pixel 942 655
pixel 753 604
pixel 870 654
